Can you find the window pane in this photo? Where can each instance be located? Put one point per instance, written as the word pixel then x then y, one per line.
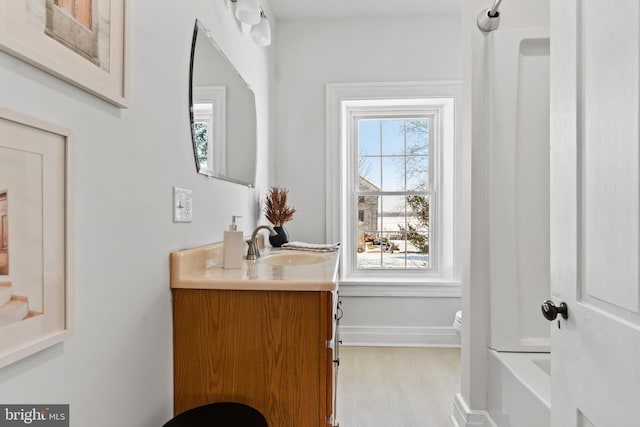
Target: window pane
pixel 369 174
pixel 393 213
pixel 202 143
pixel 369 137
pixel 417 173
pixel 417 251
pixel 393 227
pixel 392 257
pixel 417 136
pixel 369 255
pixel 417 237
pixel 418 213
pixel 369 211
pixel 393 137
pixel 393 173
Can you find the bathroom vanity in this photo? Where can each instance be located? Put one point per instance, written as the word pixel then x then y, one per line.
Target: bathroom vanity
pixel 264 335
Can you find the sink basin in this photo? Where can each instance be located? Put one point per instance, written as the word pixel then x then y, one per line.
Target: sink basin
pixel 294 258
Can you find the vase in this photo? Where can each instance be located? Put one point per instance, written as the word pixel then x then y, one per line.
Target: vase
pixel 280 239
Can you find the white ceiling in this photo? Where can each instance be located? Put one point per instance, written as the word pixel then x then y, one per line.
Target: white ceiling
pixel 296 9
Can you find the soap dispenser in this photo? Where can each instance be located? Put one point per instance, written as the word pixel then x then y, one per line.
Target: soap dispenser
pixel 233 246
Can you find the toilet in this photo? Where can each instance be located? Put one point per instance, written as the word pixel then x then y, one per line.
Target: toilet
pixel 457 322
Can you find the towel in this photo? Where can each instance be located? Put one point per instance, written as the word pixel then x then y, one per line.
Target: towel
pixel 312 247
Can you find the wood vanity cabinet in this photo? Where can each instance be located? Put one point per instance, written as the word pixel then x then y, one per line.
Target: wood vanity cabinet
pixel 272 350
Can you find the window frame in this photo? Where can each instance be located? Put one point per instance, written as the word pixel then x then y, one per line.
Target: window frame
pixel 350 231
pixel 443 280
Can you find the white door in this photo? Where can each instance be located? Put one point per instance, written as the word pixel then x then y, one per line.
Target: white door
pixel 595 212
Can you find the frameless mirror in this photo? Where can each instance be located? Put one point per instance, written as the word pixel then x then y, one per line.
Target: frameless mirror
pixel 223 114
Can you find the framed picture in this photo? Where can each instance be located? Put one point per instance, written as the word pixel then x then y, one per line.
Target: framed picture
pixel 37 235
pixel 83 42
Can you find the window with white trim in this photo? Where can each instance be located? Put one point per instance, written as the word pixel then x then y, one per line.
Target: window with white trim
pixel 397 189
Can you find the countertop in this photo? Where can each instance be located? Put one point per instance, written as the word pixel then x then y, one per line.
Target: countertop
pixel 201 268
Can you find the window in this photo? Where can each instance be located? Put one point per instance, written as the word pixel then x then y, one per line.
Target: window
pixel 202 125
pixel 209 128
pixel 393 190
pixel 391 202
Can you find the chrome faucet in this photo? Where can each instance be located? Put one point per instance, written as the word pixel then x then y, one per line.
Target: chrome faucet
pixel 253 253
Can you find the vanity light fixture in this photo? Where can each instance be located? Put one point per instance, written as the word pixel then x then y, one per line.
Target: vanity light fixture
pixel 250 12
pixel 261 32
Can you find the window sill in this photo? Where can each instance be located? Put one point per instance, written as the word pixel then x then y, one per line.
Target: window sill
pixel 399 288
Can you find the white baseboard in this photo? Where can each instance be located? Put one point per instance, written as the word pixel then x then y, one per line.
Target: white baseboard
pixel 463 416
pixel 399 336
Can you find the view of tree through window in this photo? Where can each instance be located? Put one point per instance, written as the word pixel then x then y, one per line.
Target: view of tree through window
pixel 393 193
pixel 202 143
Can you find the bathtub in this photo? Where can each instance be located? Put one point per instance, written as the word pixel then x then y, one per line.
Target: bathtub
pixel 519 392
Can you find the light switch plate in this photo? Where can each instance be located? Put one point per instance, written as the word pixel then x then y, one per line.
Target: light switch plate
pixel 182 205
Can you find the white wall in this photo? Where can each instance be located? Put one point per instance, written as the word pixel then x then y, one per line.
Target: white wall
pixel 117 369
pixel 312 53
pixel 398 321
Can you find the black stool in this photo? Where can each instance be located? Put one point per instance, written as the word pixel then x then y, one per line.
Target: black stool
pixel 221 414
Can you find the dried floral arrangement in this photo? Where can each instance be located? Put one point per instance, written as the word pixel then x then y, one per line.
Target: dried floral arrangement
pixel 275 206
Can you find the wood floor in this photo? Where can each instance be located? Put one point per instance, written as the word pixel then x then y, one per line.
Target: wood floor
pixel 397 387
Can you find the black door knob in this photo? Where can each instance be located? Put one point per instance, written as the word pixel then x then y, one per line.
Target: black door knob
pixel 550 311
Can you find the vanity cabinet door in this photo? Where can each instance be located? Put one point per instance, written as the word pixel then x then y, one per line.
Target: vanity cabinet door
pixel 266 349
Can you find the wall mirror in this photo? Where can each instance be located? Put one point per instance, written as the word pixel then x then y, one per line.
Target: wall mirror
pixel 223 114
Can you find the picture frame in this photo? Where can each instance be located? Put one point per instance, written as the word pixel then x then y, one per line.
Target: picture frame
pixel 38 191
pixel 83 42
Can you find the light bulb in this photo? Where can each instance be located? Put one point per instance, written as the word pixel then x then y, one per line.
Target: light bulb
pixel 248 11
pixel 261 32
